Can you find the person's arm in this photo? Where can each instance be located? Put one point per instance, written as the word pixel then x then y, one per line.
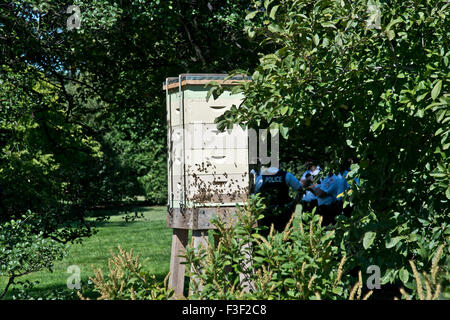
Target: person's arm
pixel 258 183
pixel 252 181
pixel 317 191
pixel 327 188
pixel 293 182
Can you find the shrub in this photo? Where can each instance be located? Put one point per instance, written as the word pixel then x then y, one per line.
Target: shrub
pixel 23 252
pixel 127 280
pixel 428 286
pixel 302 262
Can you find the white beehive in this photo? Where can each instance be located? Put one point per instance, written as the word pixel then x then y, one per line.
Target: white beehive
pixel 207 169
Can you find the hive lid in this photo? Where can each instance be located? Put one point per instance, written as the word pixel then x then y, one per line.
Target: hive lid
pixel 202 79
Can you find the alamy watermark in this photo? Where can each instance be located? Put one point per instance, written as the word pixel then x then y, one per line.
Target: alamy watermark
pixel 207 144
pixel 74 280
pixel 373 282
pixel 74 21
pixel 374 12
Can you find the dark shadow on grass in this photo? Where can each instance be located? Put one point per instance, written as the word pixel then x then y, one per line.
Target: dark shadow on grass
pixel 50 292
pixel 134 214
pixel 115 211
pixel 114 223
pixel 118 209
pixel 107 223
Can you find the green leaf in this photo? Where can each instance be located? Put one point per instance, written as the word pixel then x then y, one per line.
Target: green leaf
pixel 393 23
pixel 251 15
pixel 349 142
pixel 256 75
pixel 436 90
pixel 447 193
pixel 393 242
pixel 438 174
pixel 375 125
pixel 337 290
pixel 404 275
pixel 390 34
pixel 434 104
pixel 421 97
pixel 328 25
pixel 369 237
pixel 289 282
pixel 208 95
pixel 273 12
pixel 275 28
pixel 316 39
pixel 284 110
pixel 284 131
pixel 236 89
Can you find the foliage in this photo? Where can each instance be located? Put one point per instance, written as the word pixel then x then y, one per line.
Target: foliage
pixel 300 263
pixel 127 280
pixel 344 82
pixel 106 78
pixel 23 252
pixel 23 290
pixel 82 112
pixel 47 165
pixel 82 117
pixel 431 282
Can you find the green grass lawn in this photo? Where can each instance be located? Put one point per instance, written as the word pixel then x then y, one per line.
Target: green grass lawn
pixel 148 236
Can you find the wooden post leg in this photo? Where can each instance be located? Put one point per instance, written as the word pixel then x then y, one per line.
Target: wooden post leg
pixel 246 283
pixel 200 238
pixel 177 270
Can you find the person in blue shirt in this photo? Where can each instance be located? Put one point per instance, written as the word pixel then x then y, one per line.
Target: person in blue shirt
pixel 309 200
pixel 342 184
pixel 273 184
pixel 326 193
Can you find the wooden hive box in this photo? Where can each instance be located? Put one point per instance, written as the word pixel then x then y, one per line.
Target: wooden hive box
pixel 207 169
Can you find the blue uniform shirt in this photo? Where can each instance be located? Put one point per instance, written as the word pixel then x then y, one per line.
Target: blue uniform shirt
pixel 342 184
pixel 291 181
pixel 309 196
pixel 328 185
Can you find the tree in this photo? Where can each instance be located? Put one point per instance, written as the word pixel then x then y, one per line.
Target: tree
pixel 82 111
pixel 343 80
pixel 24 252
